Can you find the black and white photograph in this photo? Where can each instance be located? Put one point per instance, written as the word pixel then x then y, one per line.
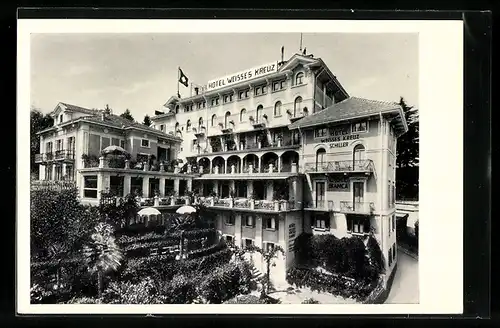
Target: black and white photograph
pixel 270 168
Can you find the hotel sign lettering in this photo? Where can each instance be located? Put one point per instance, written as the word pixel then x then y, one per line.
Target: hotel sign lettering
pixel 242 76
pixel 340 137
pixel 291 237
pixel 338 184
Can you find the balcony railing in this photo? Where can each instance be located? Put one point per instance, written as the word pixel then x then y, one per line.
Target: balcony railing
pixel 320 205
pixel 341 166
pixel 244 203
pixel 57 155
pixel 356 207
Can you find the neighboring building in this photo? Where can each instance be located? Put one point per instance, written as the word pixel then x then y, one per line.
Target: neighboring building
pixel 285 149
pixel 70 150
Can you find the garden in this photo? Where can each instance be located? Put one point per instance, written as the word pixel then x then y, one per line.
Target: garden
pixel 89 255
pixel 350 268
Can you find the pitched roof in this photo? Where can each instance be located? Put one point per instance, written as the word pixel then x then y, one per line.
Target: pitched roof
pixel 78 108
pixel 349 108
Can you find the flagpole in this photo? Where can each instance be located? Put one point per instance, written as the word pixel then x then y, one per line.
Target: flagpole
pixel 178 80
pixel 301 42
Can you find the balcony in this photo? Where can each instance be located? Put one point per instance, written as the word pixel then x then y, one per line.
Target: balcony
pixel 200 132
pixel 320 205
pixel 351 207
pixel 58 155
pixel 248 204
pixel 360 166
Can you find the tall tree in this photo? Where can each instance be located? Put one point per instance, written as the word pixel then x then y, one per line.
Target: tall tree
pixel 126 114
pixel 408 143
pixel 39 122
pixel 407 172
pixel 147 120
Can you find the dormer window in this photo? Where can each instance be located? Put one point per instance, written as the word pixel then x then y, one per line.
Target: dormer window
pixel 60 118
pixel 228 98
pixel 299 78
pixel 278 85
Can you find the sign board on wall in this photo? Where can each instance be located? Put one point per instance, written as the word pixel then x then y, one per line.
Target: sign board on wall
pixel 292 231
pixel 242 76
pixel 336 184
pixel 340 137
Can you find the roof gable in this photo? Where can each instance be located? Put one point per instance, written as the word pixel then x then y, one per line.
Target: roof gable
pixel 295 61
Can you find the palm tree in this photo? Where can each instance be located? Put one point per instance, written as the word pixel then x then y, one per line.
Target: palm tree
pixel 102 254
pixel 268 256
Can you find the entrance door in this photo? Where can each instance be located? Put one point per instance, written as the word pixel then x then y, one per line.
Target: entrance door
pixel 320 194
pixel 359 188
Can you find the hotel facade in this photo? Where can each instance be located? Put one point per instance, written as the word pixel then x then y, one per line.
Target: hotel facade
pixel 272 151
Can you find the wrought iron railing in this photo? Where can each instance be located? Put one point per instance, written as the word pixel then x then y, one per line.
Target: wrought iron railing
pixel 341 166
pixel 356 207
pixel 320 204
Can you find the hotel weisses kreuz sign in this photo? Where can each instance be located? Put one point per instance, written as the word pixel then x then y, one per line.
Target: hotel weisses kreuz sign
pixel 242 76
pixel 339 137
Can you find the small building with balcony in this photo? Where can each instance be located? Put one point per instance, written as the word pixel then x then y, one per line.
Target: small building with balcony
pixel 349 162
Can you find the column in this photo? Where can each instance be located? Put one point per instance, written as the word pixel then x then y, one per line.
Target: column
pixel 162 187
pixel 145 187
pixel 216 187
pixel 232 185
pixel 210 171
pixel 249 188
pixel 53 172
pixel 270 189
pixel 41 172
pixel 237 229
pixel 189 184
pixel 106 181
pixel 260 165
pixel 279 164
pixel 176 185
pixel 258 230
pixel 127 180
pixel 63 173
pixel 225 166
pixel 100 178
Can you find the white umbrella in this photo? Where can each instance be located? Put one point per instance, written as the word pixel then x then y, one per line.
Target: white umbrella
pixel 114 150
pixel 149 211
pixel 186 209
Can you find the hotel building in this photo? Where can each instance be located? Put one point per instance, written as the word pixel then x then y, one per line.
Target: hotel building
pixel 272 152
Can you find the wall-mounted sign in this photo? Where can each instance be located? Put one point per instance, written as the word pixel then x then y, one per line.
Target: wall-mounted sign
pixel 339 137
pixel 291 231
pixel 338 184
pixel 249 74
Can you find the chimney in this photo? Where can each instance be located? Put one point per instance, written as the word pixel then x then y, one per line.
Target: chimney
pixel 196 90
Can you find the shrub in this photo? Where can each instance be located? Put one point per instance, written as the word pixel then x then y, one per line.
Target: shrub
pixel 310 301
pixel 144 292
pixel 181 289
pixel 221 284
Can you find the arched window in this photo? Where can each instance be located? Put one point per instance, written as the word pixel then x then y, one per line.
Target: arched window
pixel 299 78
pixel 297 106
pixel 320 158
pixel 188 125
pixel 258 115
pixel 277 108
pixel 305 111
pixel 358 154
pixel 177 109
pixel 243 114
pixel 200 122
pixel 176 126
pixel 214 118
pixel 226 119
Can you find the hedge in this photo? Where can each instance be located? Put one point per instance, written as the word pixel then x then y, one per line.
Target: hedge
pixel 337 285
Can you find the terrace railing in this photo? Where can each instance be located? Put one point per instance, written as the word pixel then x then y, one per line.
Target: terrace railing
pixel 356 207
pixel 341 166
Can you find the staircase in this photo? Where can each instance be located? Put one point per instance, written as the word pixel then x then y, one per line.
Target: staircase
pixel 256 274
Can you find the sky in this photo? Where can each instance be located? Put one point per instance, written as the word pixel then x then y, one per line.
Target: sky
pixel 139 71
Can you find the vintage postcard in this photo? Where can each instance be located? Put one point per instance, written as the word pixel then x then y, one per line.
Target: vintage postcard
pixel 239 166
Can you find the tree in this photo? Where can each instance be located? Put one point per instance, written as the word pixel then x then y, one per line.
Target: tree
pixel 147 120
pixel 39 122
pixel 268 256
pixel 408 155
pixel 127 115
pixel 102 254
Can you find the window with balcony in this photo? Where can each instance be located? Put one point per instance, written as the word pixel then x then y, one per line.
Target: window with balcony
pixel 145 143
pixel 277 109
pixel 227 118
pixel 213 122
pixel 258 115
pixel 297 106
pixel 320 133
pixel 279 85
pixel 359 127
pixel 90 186
pixel 48 172
pixel 200 123
pixel 243 115
pixel 249 221
pixel 299 78
pixel 359 153
pixel 270 223
pixel 320 194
